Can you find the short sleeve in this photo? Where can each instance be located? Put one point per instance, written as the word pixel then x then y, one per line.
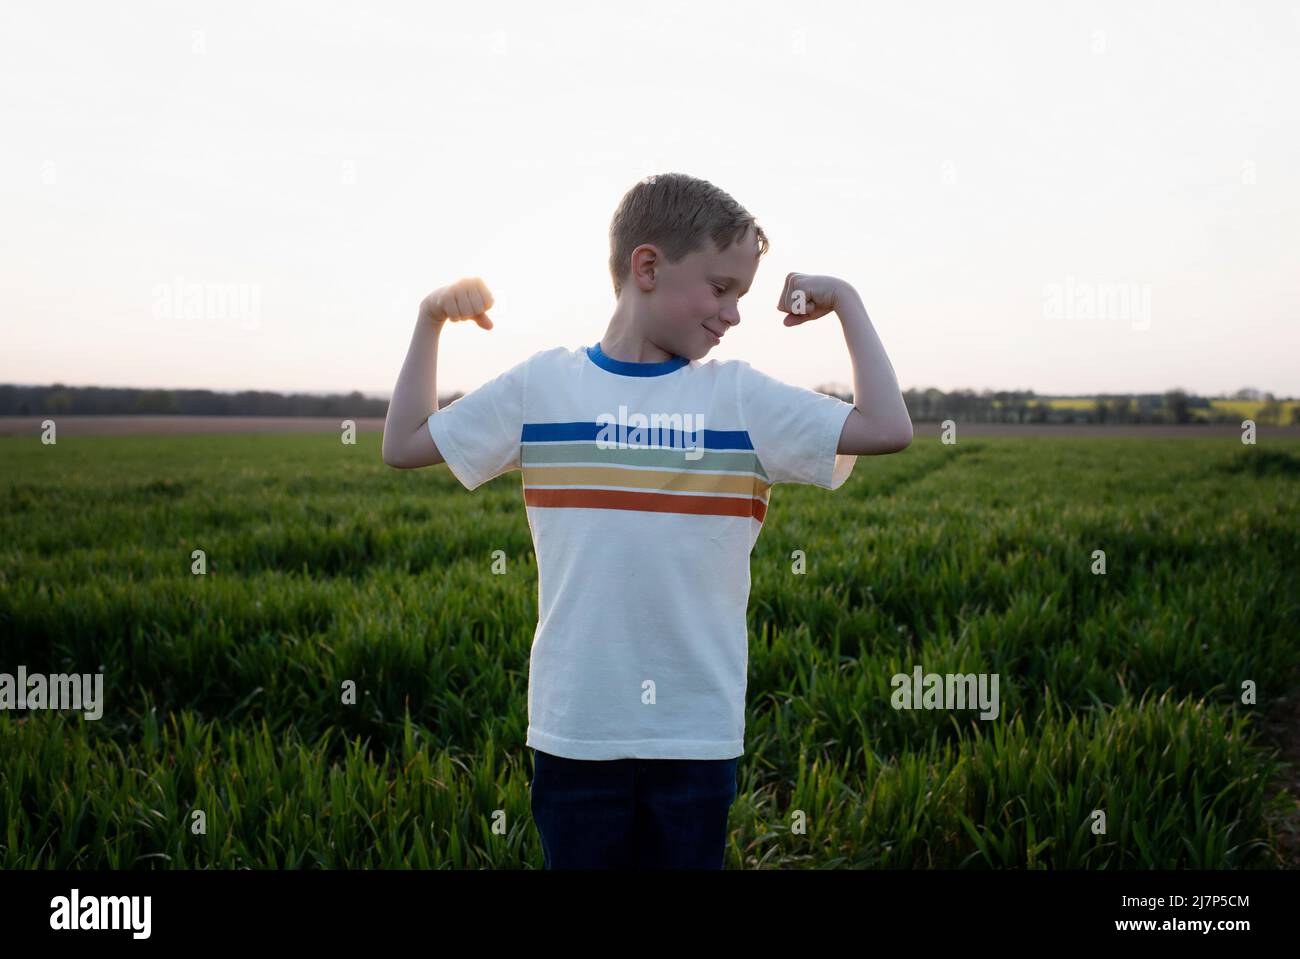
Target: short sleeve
pixel 478 434
pixel 795 431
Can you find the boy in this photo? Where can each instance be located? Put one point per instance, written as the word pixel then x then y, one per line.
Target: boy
pixel 646 478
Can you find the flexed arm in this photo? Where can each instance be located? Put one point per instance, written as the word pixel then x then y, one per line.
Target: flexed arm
pixel 407 443
pixel 879 422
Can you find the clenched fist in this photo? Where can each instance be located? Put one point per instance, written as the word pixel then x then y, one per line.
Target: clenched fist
pixel 806 297
pixel 467 299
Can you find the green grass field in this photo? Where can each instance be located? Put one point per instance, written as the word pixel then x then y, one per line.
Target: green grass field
pixel 1119 692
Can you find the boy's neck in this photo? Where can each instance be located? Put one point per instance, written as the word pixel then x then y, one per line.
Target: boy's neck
pixel 623 342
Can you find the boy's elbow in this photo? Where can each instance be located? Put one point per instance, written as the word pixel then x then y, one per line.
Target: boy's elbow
pixel 899 433
pixel 401 464
pixel 393 459
pixel 412 452
pixel 863 436
pixel 890 440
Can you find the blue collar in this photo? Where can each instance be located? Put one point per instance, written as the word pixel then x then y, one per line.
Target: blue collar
pixel 627 368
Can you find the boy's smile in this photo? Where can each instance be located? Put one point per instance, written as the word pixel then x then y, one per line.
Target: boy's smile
pixel 716 281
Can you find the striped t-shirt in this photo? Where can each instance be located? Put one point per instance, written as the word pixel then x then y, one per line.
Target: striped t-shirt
pixel 646 486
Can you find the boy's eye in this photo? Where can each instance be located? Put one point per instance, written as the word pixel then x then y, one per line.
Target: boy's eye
pixel 719 291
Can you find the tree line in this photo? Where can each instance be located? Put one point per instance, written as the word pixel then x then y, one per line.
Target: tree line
pixel 119 401
pixel 1171 406
pixel 928 405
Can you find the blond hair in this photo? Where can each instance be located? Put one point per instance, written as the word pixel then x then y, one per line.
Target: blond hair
pixel 675 212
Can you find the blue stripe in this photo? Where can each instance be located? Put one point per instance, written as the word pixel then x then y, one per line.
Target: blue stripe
pixel 628 368
pixel 558 432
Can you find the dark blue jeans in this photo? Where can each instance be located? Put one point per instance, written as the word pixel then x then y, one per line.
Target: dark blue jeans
pixel 632 813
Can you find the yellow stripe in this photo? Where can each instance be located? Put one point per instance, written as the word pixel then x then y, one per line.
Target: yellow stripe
pixel 687 481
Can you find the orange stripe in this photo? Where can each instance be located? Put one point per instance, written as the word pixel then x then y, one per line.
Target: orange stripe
pixel 646 502
pixel 684 480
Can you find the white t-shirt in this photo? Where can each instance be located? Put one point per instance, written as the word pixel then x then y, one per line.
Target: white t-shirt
pixel 642 646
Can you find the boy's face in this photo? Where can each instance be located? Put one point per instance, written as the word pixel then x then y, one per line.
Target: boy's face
pixel 697 298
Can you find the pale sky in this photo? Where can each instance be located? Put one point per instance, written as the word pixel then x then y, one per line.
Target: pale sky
pixel 1098 198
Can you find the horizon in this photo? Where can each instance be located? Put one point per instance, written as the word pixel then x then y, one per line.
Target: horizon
pixel 1082 198
pixel 842 387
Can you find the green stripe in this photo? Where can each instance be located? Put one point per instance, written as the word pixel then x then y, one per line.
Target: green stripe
pixel 730 461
